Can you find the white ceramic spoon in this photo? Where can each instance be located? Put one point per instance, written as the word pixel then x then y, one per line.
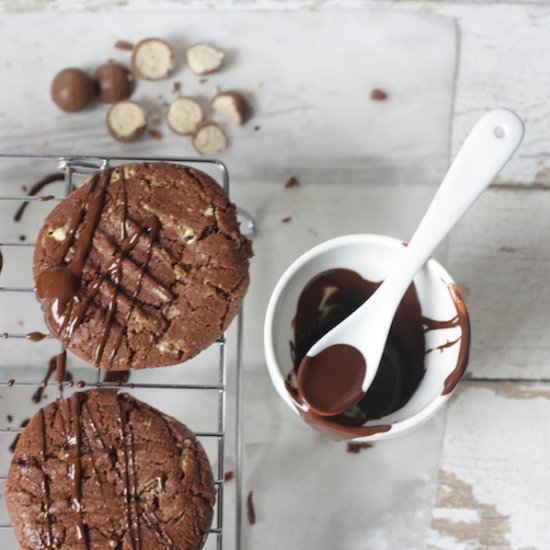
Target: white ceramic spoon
pixel 340 367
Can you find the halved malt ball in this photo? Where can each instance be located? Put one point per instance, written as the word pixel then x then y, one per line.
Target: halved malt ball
pixel 209 139
pixel 153 59
pixel 184 115
pixel 126 120
pixel 204 59
pixel 232 105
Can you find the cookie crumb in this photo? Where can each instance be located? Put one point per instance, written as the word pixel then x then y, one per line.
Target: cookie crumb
pixel 292 181
pixel 203 80
pixel 176 87
pixel 355 448
pixel 229 475
pixel 287 219
pixel 155 134
pixel 124 45
pixel 250 511
pixel 378 95
pixel 155 118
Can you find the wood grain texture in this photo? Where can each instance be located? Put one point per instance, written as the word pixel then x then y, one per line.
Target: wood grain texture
pixel 499 255
pixel 494 479
pixel 504 55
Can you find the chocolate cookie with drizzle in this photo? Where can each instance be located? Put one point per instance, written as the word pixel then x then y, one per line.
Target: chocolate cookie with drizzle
pixel 104 470
pixel 143 265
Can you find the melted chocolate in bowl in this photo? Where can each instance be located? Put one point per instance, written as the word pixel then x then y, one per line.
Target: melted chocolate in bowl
pixel 332 296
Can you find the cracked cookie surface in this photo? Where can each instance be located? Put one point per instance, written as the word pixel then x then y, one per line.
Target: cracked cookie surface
pixel 141 266
pixel 102 470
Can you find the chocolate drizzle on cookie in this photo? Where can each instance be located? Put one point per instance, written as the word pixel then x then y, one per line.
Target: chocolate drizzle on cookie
pixel 74 443
pixel 59 285
pixel 45 486
pixel 94 486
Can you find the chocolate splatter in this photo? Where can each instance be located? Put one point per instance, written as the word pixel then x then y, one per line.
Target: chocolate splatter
pixel 378 95
pixel 36 188
pixel 355 448
pixel 250 511
pixel 292 181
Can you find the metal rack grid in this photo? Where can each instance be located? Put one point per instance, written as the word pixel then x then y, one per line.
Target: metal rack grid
pixel 84 166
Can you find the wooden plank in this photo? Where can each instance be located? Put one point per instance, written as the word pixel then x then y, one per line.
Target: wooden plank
pixel 499 254
pixel 503 62
pixel 264 5
pixel 494 476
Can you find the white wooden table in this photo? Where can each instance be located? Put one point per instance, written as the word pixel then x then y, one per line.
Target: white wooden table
pixel 493 480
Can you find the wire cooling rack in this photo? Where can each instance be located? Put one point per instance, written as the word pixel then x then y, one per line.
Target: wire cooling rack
pixel 18 372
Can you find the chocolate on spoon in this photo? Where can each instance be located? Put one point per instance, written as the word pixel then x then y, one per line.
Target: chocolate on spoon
pixel 340 367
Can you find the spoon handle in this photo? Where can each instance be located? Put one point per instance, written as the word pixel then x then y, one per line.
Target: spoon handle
pixel 487 148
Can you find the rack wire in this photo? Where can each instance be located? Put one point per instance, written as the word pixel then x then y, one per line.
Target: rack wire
pixel 72 167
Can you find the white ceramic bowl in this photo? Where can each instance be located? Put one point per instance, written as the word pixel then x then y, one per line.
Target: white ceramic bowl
pixel 373 257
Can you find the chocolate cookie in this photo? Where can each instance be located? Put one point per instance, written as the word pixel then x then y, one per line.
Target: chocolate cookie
pixel 141 266
pixel 102 470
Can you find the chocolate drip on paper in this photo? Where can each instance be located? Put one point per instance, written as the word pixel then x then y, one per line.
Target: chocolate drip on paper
pixel 36 188
pixel 36 336
pixel 130 489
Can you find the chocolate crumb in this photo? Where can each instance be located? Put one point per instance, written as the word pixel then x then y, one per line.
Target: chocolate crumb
pixel 287 219
pixel 81 384
pixel 22 238
pixel 25 422
pixel 292 182
pixel 124 45
pixel 251 513
pixel 11 382
pixel 256 128
pixel 24 188
pixel 355 448
pixel 176 87
pixel 9 418
pixel 155 134
pixel 378 95
pixel 229 475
